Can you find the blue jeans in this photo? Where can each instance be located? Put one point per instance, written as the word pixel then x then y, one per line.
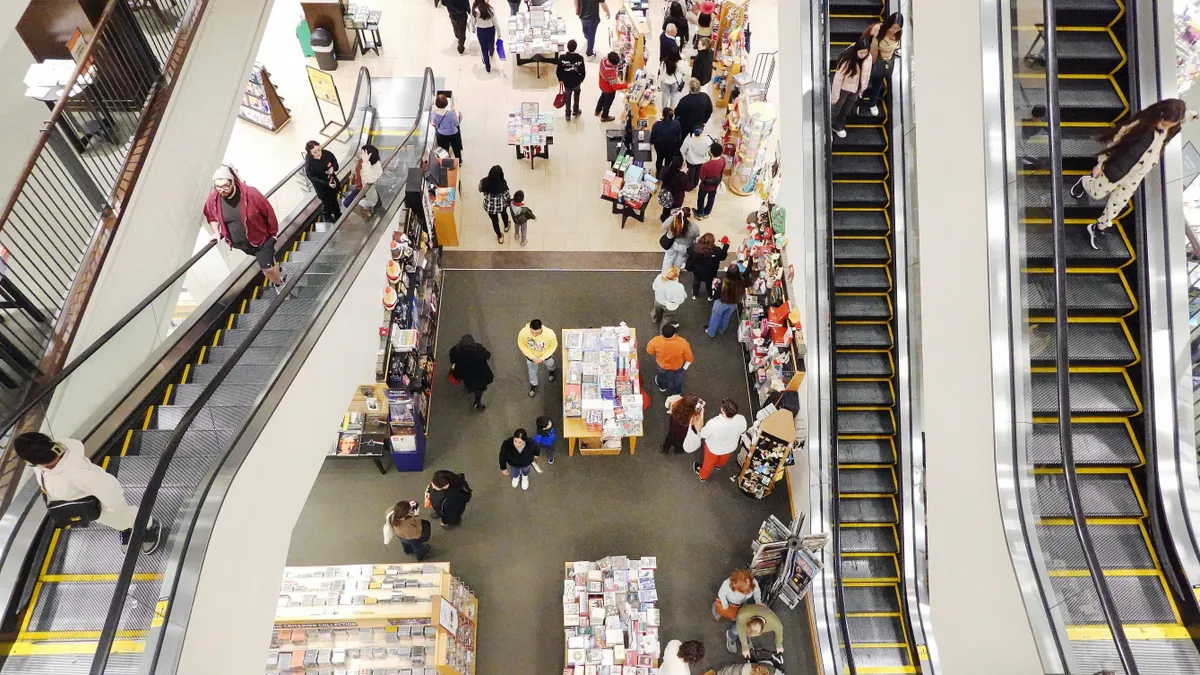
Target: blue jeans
pixel 718 321
pixel 705 201
pixel 350 197
pixel 514 6
pixel 589 32
pixel 487 45
pixel 515 472
pixel 671 380
pixel 547 450
pixel 414 547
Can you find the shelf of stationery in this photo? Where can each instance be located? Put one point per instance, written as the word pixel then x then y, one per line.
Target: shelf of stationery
pixel 763 462
pixel 748 127
pixel 354 618
pixel 729 57
pixel 261 103
pixel 629 40
pixel 611 616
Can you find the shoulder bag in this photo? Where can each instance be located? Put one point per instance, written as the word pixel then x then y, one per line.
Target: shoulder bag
pixel 560 99
pixel 70 512
pixel 691 442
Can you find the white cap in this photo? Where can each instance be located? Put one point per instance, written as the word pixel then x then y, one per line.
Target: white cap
pixel 223 172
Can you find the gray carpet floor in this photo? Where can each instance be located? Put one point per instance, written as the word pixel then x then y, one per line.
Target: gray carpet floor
pixel 512 544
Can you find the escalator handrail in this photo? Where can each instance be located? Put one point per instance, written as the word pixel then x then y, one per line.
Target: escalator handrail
pixel 149 496
pixel 1062 370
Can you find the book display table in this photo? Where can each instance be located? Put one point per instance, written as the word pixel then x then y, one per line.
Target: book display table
pixel 602 398
pixel 531 132
pixel 611 616
pixel 629 187
pixel 412 618
pixel 364 430
pixel 536 35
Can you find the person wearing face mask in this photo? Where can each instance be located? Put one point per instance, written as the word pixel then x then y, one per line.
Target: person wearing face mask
pixel 321 167
pixel 242 217
pixel 517 453
pixel 849 82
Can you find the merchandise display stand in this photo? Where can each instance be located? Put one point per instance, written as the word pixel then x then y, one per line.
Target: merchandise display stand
pixel 629 40
pixel 784 562
pixel 531 132
pixel 611 616
pixel 364 431
pixel 536 35
pixel 750 129
pixel 629 187
pixel 602 398
pixel 641 101
pixel 365 22
pixel 730 36
pixel 261 103
pixel 442 206
pixel 411 618
pixel 765 459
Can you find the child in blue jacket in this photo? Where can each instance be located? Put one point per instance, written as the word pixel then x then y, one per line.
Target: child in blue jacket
pixel 545 436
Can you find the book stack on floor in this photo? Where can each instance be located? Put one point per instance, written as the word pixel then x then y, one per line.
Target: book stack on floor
pixel 611 617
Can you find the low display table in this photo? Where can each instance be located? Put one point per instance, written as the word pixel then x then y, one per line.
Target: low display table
pixel 602 397
pixel 611 615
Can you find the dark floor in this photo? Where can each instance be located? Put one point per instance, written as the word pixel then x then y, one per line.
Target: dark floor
pixel 512 544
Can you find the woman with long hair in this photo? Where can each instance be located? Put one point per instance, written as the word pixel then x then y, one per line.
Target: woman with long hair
pixel 704 261
pixel 469 363
pixel 675 181
pixel 367 171
pixel 671 80
pixel 849 82
pixel 732 289
pixel 683 232
pixel 682 412
pixel 496 199
pixel 885 41
pixel 485 30
pixel 1130 152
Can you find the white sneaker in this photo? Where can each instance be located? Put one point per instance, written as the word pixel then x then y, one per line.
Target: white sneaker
pixel 516 481
pixel 874 110
pixel 1093 233
pixel 524 483
pixel 840 133
pixel 537 468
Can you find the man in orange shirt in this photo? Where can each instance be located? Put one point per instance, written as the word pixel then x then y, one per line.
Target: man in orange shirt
pixel 672 354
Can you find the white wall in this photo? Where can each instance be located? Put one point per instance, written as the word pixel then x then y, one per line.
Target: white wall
pixel 21 118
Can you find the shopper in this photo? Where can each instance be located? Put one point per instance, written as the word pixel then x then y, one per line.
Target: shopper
pixel 321 167
pixel 458 11
pixel 694 108
pixel 695 153
pixel 666 137
pixel 721 435
pixel 241 216
pixel 704 261
pixel 677 17
pixel 673 356
pixel 538 344
pixel 496 199
pixel 485 30
pixel 674 184
pixel 669 294
pixel 853 73
pixel 668 41
pixel 367 171
pixel 734 592
pixel 588 12
pixel 521 215
pixel 726 304
pixel 704 22
pixel 753 621
pixel 682 231
pixel 514 6
pixel 885 40
pixel 517 454
pixel 571 72
pixel 610 81
pixel 712 172
pixel 670 80
pixel 447 126
pixel 78 492
pixel 683 412
pixel 1130 152
pixel 403 522
pixel 545 436
pixel 469 363
pixel 702 62
pixel 743 668
pixel 678 657
pixel 447 496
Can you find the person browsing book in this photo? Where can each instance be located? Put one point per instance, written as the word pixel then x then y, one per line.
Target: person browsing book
pixel 678 657
pixel 538 344
pixel 517 454
pixel 403 522
pixel 447 496
pixel 669 294
pixel 721 435
pixel 753 621
pixel 673 355
pixel 735 591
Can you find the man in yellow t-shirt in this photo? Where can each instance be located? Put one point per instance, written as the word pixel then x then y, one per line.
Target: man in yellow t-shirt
pixel 538 344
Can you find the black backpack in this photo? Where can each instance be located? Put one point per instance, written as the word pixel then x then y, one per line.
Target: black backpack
pixel 466 487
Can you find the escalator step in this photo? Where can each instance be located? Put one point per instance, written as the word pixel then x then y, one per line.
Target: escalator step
pixel 879 659
pixel 851 250
pixel 859 222
pixel 865 423
pixel 241 374
pixel 300 305
pixel 94 550
pixel 868 567
pixel 866 509
pixel 1096 13
pixel 861 278
pixel 861 139
pixel 877 629
pixel 291 322
pixel 865 451
pixel 226 394
pixel 1138 600
pixel 1088 294
pixel 233 337
pixel 1089 100
pixel 863 335
pixel 1035 198
pixel 847 29
pixel 859 167
pixel 325 266
pixel 1093 443
pixel 82 606
pixel 1117 547
pixel 213 417
pixel 152 442
pixel 1103 495
pixel 857 8
pixel 871 393
pixel 306 289
pixel 1087 52
pixel 861 114
pixel 863 364
pixel 1080 145
pixel 69 664
pixel 1152 656
pixel 870 480
pixel 1088 344
pixel 872 539
pixel 1039 247
pixel 136 470
pixel 254 356
pixel 862 308
pixel 859 195
pixel 1091 394
pixel 875 599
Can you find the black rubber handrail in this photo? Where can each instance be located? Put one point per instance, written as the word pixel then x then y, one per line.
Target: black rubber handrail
pixel 1062 365
pixel 150 495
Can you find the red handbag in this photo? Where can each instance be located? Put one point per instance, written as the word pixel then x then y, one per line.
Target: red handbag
pixel 560 99
pixel 454 379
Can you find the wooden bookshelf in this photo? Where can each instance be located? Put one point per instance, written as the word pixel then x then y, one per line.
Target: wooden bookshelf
pixel 261 103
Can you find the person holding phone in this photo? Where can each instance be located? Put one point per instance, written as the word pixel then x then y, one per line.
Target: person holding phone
pixel 403 522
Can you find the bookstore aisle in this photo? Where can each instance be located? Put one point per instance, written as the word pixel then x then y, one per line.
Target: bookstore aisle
pixel 513 544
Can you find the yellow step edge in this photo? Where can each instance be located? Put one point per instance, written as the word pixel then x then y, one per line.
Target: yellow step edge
pixel 84 578
pixel 77 634
pixel 1107 573
pixel 1165 631
pixel 881 670
pixel 22 648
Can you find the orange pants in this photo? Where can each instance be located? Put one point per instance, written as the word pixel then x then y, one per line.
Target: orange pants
pixel 711 461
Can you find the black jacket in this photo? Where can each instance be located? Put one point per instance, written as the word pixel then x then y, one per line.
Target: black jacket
pixel 705 267
pixel 571 70
pixel 454 7
pixel 451 502
pixel 317 170
pixel 666 44
pixel 1118 164
pixel 667 137
pixel 471 366
pixel 681 25
pixel 518 459
pixel 693 110
pixel 702 66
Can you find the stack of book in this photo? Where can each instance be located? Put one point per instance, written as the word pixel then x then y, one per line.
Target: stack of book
pixel 602 381
pixel 537 31
pixel 530 131
pixel 611 617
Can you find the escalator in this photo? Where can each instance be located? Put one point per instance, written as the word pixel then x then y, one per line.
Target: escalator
pixel 1104 343
pixel 864 370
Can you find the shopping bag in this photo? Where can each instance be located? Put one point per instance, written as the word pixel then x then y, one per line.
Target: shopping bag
pixel 500 49
pixel 453 379
pixel 728 613
pixel 560 99
pixel 691 442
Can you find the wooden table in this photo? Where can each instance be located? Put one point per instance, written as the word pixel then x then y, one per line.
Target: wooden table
pixel 574 428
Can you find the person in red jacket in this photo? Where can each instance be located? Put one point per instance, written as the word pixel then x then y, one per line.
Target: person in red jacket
pixel 610 80
pixel 243 218
pixel 712 173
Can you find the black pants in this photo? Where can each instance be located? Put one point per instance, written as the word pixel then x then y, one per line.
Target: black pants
pixel 662 157
pixel 331 208
pixel 843 108
pixel 881 73
pixel 478 397
pixel 605 102
pixel 693 172
pixel 697 282
pixel 503 215
pixel 451 143
pixel 459 21
pixel 572 101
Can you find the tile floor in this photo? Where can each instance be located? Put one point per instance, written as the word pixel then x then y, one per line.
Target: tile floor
pixel 563 191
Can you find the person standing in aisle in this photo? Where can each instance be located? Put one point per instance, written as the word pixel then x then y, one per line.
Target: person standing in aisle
pixel 712 172
pixel 734 592
pixel 469 363
pixel 702 62
pixel 683 413
pixel 694 108
pixel 485 30
pixel 403 522
pixel 673 356
pixel 666 137
pixel 849 82
pixel 242 217
pixel 588 12
pixel 521 215
pixel 669 294
pixel 677 17
pixel 514 6
pixel 668 41
pixel 446 122
pixel 753 621
pixel 680 228
pixel 458 11
pixel 538 344
pixel 545 436
pixel 678 657
pixel 496 199
pixel 885 40
pixel 726 304
pixel 695 153
pixel 610 79
pixel 321 167
pixel 77 491
pixel 670 80
pixel 517 455
pixel 447 496
pixel 571 72
pixel 704 261
pixel 721 435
